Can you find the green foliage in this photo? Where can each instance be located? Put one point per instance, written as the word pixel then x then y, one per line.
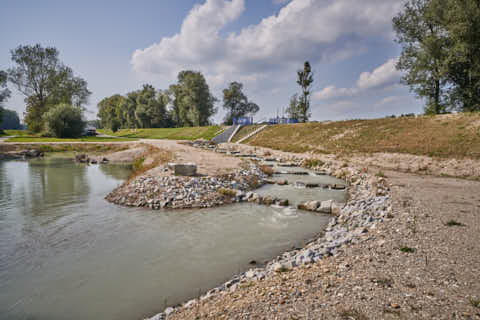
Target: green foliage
pixel 440 47
pixel 407 249
pixel 145 108
pixel 45 81
pixel 192 104
pixel 4 92
pixel 236 102
pixel 64 121
pixel 454 223
pixel 305 80
pixel 10 120
pixel 293 110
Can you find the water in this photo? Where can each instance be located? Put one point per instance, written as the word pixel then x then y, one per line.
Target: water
pixel 66 253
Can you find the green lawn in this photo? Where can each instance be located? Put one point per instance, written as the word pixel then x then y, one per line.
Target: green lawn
pixel 17 133
pixel 186 133
pixel 83 139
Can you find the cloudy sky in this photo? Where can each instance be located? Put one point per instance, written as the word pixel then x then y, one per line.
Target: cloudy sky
pixel 118 45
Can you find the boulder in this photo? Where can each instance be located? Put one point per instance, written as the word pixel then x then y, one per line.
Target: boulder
pixel 336 209
pixel 183 169
pixel 309 205
pixel 325 206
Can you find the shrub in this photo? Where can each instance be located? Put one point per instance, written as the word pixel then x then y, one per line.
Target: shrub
pixel 64 121
pixel 311 163
pixel 227 192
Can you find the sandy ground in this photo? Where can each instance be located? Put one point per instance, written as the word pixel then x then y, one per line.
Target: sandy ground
pixel 208 162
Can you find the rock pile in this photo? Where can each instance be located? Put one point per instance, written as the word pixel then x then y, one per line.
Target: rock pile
pixel 181 192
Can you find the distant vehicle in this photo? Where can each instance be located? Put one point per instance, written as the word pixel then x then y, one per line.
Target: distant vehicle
pixel 90 131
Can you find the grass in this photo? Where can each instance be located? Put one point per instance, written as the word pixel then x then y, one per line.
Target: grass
pixel 82 139
pixel 77 147
pixel 227 192
pixel 311 163
pixel 186 133
pixel 380 174
pixel 474 302
pixel 18 133
pixel 150 159
pixel 453 223
pixel 353 314
pixel 245 131
pixel 407 249
pixel 455 135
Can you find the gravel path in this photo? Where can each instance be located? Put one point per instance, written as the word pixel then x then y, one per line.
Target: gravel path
pixel 411 266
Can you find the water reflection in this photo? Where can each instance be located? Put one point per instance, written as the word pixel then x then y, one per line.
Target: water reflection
pixel 66 253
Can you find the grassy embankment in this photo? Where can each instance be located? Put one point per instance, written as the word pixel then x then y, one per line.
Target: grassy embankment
pixel 456 136
pixel 26 136
pixel 245 131
pixel 186 133
pixel 77 147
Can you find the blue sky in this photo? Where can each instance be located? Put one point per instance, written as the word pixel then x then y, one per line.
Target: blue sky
pixel 118 45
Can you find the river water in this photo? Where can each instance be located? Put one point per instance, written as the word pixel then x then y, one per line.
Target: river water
pixel 66 253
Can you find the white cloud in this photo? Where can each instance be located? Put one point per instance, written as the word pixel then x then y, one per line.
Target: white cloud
pixel 316 30
pixel 383 76
pixel 389 100
pixel 332 92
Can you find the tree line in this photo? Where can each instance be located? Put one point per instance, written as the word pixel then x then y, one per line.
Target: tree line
pixel 440 42
pixel 187 103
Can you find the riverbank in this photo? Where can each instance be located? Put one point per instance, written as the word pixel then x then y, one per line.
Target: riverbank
pixel 401 254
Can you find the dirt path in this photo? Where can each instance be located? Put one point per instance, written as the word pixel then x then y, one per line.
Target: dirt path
pixel 375 279
pixel 208 162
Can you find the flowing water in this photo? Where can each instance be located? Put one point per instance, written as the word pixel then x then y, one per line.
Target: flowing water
pixel 66 253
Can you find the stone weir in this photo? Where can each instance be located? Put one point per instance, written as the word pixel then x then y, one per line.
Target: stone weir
pixel 182 192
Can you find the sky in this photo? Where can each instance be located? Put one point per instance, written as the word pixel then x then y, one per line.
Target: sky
pixel 119 45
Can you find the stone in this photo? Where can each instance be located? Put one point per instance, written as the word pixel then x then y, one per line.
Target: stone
pixel 282 202
pixel 336 210
pixel 168 311
pixel 282 182
pixel 183 169
pixel 309 205
pixel 325 206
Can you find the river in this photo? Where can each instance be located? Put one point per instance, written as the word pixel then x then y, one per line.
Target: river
pixel 66 253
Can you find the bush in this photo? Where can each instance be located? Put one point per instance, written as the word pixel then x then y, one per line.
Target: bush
pixel 64 121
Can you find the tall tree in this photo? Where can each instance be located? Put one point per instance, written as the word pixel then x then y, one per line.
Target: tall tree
pixel 109 112
pixel 462 24
pixel 10 120
pixel 193 104
pixel 151 108
pixel 45 81
pixel 305 80
pixel 236 102
pixel 4 92
pixel 420 31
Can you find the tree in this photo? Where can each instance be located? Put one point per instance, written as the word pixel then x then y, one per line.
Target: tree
pixel 305 80
pixel 420 31
pixel 10 120
pixel 110 113
pixel 64 121
pixel 44 81
pixel 4 92
pixel 236 102
pixel 193 104
pixel 150 108
pixel 293 111
pixel 462 25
